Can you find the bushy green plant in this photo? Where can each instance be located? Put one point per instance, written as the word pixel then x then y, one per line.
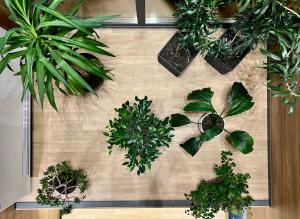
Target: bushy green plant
pixel 227 192
pixel 256 23
pixel 238 101
pixel 197 22
pixel 140 132
pixel 48 43
pixel 284 63
pixel 58 183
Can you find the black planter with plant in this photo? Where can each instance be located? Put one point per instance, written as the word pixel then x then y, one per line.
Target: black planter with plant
pixel 212 124
pixel 225 63
pixel 48 43
pixel 174 58
pixel 58 185
pixel 227 192
pixel 197 22
pixel 140 132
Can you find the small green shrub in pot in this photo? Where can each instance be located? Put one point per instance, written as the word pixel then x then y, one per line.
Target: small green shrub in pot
pixel 60 185
pixel 227 192
pixel 48 44
pixel 140 132
pixel 212 124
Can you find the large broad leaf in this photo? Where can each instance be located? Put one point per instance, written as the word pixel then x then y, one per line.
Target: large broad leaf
pixel 210 133
pixel 192 145
pixel 202 95
pixel 239 100
pixel 242 141
pixel 179 120
pixel 199 107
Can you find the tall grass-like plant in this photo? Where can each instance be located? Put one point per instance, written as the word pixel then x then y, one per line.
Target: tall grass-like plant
pixel 47 43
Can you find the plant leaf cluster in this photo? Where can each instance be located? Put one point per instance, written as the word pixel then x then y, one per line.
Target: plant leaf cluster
pixel 140 132
pixel 227 192
pixel 64 174
pixel 48 43
pixel 238 101
pixel 285 63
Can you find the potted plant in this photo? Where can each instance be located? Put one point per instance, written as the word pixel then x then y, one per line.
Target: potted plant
pixel 140 132
pixel 61 185
pixel 212 124
pixel 197 22
pixel 227 192
pixel 48 44
pixel 284 67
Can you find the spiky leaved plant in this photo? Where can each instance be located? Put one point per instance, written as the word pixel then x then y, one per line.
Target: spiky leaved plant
pixel 47 43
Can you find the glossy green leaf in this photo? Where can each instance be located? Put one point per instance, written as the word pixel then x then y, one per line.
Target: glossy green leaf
pixel 192 145
pixel 199 107
pixel 242 141
pixel 204 94
pixel 50 93
pixel 179 120
pixel 40 73
pixel 239 100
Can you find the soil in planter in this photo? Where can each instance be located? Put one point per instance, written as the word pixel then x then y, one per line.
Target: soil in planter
pixel 94 81
pixel 178 58
pixel 212 120
pixel 62 178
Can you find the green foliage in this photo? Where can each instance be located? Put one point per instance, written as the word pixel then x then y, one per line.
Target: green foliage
pixel 256 23
pixel 47 43
pixel 140 132
pixel 58 182
pixel 227 192
pixel 238 101
pixel 285 63
pixel 198 21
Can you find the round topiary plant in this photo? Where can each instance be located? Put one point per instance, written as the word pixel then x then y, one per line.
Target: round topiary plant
pixel 140 132
pixel 58 184
pixel 227 192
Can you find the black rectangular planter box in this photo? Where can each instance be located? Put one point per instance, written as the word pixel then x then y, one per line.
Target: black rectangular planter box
pixel 220 65
pixel 172 58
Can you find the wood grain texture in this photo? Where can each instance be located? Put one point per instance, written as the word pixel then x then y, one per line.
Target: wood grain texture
pixel 74 133
pixel 130 213
pixel 11 213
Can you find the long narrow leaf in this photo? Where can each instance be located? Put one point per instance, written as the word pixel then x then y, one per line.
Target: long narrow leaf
pixel 40 73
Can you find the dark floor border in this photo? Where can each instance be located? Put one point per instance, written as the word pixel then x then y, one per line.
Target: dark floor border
pixel 126 204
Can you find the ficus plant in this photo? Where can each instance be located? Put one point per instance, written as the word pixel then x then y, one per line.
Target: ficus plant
pixel 61 185
pixel 227 192
pixel 284 62
pixel 212 124
pixel 140 132
pixel 47 43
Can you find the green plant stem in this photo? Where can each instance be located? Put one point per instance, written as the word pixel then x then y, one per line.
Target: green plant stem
pixel 290 89
pixel 287 8
pixel 227 131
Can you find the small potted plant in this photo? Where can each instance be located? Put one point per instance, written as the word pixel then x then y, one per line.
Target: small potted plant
pixel 197 22
pixel 61 185
pixel 227 192
pixel 212 124
pixel 140 132
pixel 48 44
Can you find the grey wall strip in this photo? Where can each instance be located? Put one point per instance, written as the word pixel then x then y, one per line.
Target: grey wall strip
pixel 126 204
pixel 26 144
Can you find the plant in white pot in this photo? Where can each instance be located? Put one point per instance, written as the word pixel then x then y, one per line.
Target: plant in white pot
pixel 212 124
pixel 50 47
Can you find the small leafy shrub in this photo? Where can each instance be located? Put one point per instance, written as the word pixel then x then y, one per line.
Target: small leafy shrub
pixel 58 184
pixel 238 101
pixel 140 132
pixel 285 64
pixel 227 192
